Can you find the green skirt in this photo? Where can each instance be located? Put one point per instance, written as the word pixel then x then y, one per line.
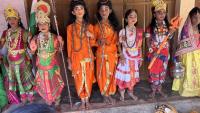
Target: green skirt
pixel 3 97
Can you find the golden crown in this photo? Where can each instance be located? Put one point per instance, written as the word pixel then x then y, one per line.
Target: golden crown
pixel 159 4
pixel 11 12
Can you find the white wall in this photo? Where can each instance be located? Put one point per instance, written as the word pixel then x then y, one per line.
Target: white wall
pixel 183 8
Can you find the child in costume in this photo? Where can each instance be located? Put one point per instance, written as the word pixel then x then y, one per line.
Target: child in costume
pixel 127 72
pixel 157 31
pixel 80 39
pixel 188 51
pixel 15 39
pixel 106 35
pixel 49 83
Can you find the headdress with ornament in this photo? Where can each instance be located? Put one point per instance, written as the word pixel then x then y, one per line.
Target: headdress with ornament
pixel 104 2
pixel 11 12
pixel 42 10
pixel 159 5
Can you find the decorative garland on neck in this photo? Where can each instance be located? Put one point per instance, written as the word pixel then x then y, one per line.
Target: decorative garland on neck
pixel 163 30
pixel 83 25
pixel 44 44
pixel 81 37
pixel 17 37
pixel 127 39
pixel 103 25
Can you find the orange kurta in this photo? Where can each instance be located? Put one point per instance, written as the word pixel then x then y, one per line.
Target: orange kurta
pixel 80 54
pixel 105 78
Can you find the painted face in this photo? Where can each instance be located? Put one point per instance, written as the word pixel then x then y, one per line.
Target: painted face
pixel 160 15
pixel 132 18
pixel 43 27
pixel 13 22
pixel 195 19
pixel 78 11
pixel 104 11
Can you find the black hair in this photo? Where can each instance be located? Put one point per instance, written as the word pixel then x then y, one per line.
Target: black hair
pixel 153 20
pixel 72 18
pixel 128 12
pixel 193 12
pixel 112 17
pixel 20 24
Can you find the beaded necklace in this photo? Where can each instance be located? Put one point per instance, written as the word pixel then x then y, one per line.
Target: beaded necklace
pixel 104 29
pixel 160 32
pixel 127 43
pixel 13 44
pixel 74 29
pixel 44 44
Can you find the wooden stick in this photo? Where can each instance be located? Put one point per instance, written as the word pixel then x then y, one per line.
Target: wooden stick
pixel 175 22
pixel 103 47
pixel 63 58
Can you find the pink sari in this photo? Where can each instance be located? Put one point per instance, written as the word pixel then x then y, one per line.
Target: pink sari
pixel 12 96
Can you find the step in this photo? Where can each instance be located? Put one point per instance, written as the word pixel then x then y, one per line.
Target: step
pixel 182 106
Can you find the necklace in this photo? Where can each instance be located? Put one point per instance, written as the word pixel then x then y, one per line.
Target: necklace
pixel 17 39
pixel 44 43
pixel 160 32
pixel 108 28
pixel 46 48
pixel 82 29
pixel 127 43
pixel 74 29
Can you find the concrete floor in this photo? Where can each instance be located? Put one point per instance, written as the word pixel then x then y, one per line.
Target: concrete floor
pixel 144 105
pixel 182 106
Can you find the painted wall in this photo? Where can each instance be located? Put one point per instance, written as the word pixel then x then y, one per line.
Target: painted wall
pixel 183 8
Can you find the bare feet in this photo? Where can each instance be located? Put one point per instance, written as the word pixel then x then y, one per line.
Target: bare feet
pixel 121 98
pixel 106 100
pixel 121 94
pixel 87 105
pixel 134 97
pixel 152 95
pixel 24 101
pixel 82 106
pixel 112 100
pixel 162 94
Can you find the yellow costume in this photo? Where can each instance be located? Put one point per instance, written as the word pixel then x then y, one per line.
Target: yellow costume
pixel 189 50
